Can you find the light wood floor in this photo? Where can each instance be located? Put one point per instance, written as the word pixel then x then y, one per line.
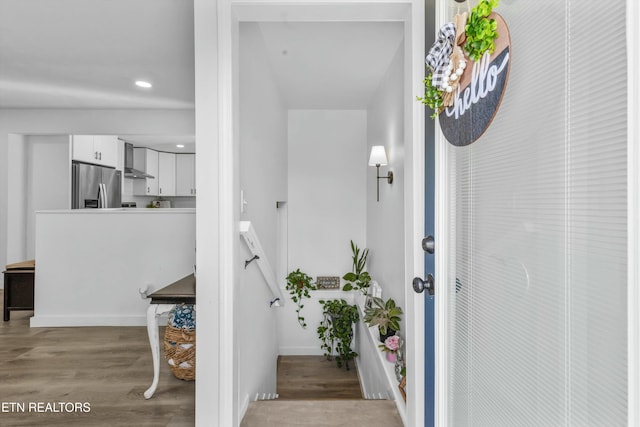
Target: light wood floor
pixel 322 413
pixel 108 367
pixel 314 377
pixel 314 392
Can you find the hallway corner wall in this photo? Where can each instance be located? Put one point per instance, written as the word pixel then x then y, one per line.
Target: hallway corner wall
pixel 262 179
pixel 326 209
pixel 385 219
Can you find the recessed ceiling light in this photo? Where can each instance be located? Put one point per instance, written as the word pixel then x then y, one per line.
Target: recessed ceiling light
pixel 142 83
pixel 180 145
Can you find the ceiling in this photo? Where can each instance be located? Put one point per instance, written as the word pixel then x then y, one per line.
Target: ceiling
pixel 163 142
pixel 330 65
pixel 87 54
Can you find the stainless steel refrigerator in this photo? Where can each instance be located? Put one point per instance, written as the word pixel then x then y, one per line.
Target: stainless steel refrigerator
pixel 95 186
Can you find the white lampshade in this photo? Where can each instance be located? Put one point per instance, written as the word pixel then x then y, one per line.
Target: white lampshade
pixel 378 156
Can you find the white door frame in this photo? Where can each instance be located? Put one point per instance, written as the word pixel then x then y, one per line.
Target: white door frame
pixel 440 235
pixel 633 187
pixel 633 231
pixel 217 216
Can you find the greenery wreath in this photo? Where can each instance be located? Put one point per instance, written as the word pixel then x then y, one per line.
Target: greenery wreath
pixel 480 33
pixel 480 30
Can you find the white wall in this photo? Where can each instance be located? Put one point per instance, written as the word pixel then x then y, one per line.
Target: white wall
pixel 60 122
pixel 16 219
pixel 214 387
pixel 256 334
pixel 385 219
pixel 371 369
pixel 48 180
pixel 326 209
pixel 327 187
pixel 91 263
pixel 263 140
pixel 262 131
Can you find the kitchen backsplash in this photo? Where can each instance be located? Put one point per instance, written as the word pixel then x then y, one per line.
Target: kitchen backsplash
pixel 143 201
pixel 176 202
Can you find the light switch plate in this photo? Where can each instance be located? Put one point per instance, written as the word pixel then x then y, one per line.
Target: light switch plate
pixel 243 202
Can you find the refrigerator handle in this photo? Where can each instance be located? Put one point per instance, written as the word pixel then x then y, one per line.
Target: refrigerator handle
pixel 102 195
pixel 75 184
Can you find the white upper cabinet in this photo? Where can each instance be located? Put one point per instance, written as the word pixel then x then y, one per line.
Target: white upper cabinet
pixel 146 160
pixel 107 148
pixel 167 174
pixel 97 149
pixel 82 148
pixel 174 174
pixel 185 174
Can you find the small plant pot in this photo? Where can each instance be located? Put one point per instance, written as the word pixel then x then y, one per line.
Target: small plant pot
pixel 390 333
pixel 391 357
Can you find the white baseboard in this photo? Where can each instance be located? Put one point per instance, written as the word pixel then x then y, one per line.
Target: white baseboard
pixel 300 351
pixel 244 407
pixel 77 321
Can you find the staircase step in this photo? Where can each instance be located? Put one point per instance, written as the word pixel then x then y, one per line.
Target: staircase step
pixel 315 377
pixel 319 413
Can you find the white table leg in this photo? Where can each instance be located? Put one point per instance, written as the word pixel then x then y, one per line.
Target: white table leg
pixel 153 312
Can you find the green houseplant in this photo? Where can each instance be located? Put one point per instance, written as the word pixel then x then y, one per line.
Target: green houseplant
pixel 336 330
pixel 299 284
pixel 480 30
pixel 384 314
pixel 357 279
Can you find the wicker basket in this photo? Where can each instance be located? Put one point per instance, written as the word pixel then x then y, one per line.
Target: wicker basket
pixel 175 340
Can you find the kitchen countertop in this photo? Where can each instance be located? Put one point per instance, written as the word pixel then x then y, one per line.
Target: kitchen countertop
pixel 120 211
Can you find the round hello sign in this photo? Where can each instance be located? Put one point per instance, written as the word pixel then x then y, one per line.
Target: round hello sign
pixel 479 92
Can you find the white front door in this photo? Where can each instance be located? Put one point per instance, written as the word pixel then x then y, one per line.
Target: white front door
pixel 532 232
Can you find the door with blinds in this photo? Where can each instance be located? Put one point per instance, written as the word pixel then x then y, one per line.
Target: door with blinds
pixel 534 269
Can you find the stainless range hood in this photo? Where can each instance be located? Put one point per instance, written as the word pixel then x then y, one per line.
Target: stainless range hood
pixel 129 171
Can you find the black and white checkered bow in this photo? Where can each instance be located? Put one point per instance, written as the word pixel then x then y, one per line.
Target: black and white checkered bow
pixel 438 56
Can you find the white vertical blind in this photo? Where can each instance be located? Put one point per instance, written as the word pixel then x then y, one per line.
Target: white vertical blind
pixel 538 230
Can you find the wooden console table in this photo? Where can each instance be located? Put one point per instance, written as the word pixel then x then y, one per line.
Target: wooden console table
pixel 18 287
pixel 162 301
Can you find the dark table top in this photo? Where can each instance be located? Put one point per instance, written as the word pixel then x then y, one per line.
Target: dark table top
pixel 181 291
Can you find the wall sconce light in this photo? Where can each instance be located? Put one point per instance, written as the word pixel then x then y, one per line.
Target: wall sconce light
pixel 378 158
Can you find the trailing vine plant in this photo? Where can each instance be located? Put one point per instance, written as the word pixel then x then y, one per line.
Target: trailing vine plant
pixel 432 96
pixel 299 284
pixel 481 31
pixel 336 330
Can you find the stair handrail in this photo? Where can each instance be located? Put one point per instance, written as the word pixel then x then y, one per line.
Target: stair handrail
pixel 250 237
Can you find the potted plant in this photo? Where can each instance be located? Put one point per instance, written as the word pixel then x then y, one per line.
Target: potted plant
pixel 357 279
pixel 390 347
pixel 384 314
pixel 299 284
pixel 336 330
